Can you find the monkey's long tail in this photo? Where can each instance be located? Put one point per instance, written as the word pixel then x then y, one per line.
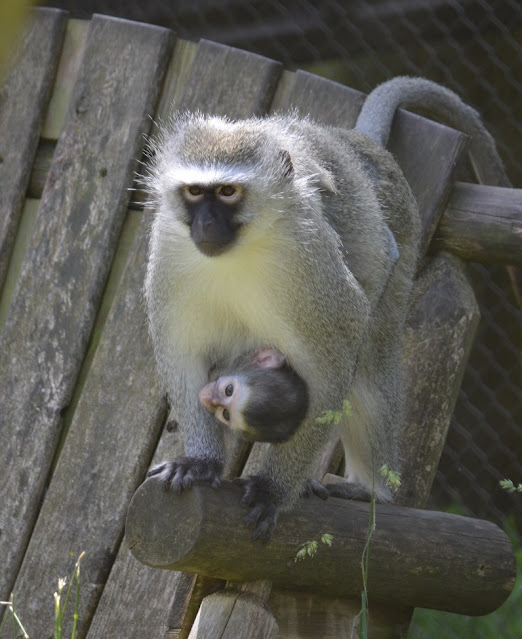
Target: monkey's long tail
pixel 376 117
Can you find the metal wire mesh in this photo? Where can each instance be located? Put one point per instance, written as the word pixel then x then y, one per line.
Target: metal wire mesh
pixel 471 46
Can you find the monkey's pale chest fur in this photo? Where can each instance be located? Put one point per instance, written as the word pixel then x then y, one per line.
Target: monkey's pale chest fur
pixel 220 302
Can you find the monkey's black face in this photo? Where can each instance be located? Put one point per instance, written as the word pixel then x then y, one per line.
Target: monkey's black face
pixel 212 214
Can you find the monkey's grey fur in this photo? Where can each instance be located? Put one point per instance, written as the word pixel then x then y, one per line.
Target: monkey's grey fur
pixel 313 271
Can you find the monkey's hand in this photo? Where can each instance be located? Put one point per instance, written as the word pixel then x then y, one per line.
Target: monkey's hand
pixel 184 471
pixel 263 505
pixel 314 487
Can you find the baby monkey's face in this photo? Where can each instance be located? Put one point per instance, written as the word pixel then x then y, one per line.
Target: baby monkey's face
pixel 262 398
pixel 226 398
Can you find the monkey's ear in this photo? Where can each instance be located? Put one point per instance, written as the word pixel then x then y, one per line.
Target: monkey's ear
pixel 286 163
pixel 269 358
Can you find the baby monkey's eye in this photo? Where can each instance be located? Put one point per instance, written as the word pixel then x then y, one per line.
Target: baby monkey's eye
pixel 226 414
pixel 228 193
pixel 229 390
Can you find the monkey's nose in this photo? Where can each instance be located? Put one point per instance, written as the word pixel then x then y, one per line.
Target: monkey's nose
pixel 205 397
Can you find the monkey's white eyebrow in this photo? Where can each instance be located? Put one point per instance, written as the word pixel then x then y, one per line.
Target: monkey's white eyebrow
pixel 183 175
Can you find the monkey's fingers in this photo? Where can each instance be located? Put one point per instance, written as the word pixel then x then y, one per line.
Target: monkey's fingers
pixel 263 519
pixel 183 472
pixel 263 513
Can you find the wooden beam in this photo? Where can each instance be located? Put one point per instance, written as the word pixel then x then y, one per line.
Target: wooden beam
pixel 56 297
pixel 24 95
pixel 482 224
pixel 418 558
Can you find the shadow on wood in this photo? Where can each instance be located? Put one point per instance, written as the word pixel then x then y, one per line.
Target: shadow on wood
pixel 418 558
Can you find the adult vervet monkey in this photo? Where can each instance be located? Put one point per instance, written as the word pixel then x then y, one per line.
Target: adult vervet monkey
pixel 284 233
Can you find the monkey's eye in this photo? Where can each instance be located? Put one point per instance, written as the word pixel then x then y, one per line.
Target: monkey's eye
pixel 229 194
pixel 226 414
pixel 193 193
pixel 229 390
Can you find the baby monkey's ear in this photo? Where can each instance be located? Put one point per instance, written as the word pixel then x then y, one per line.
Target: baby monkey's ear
pixel 269 358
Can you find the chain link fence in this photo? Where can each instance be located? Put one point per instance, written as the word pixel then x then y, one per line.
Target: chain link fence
pixel 474 47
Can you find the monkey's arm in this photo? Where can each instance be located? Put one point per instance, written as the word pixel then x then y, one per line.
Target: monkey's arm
pixel 204 448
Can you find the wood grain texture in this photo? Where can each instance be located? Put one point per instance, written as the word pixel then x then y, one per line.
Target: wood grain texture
pixel 73 239
pixel 189 84
pixel 105 456
pixel 439 334
pixel 24 94
pixel 325 101
pixel 428 153
pixel 482 224
pixel 73 49
pixel 230 82
pixel 230 614
pixel 418 558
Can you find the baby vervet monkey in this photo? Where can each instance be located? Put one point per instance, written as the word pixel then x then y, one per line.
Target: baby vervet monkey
pixel 260 397
pixel 284 231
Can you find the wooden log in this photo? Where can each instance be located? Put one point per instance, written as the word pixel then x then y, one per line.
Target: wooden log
pixel 482 224
pixel 24 94
pixel 417 558
pixel 58 292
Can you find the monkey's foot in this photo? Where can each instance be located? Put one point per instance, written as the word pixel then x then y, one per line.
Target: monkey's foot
pixel 258 497
pixel 184 471
pixel 348 490
pixel 314 487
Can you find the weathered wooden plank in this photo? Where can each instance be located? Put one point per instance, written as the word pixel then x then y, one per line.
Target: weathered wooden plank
pixel 215 81
pixel 229 614
pixel 24 95
pixel 438 338
pixel 23 237
pixel 482 224
pixel 473 575
pixel 325 101
pixel 67 262
pixel 428 153
pixel 232 82
pixel 74 43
